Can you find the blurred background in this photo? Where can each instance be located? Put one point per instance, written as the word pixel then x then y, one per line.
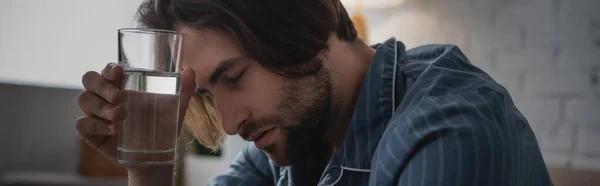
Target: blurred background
pixel 545 52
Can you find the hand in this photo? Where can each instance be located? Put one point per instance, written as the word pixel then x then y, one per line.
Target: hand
pixel 104 107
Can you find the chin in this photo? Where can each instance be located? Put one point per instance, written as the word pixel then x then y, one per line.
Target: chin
pixel 277 157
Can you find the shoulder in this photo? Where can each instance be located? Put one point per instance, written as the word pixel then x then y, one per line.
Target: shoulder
pixel 439 70
pixel 447 90
pixel 446 97
pixel 451 109
pixel 425 114
pixel 480 106
pixel 457 129
pixel 478 132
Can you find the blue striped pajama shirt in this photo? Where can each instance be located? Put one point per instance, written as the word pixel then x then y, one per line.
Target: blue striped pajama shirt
pixel 423 117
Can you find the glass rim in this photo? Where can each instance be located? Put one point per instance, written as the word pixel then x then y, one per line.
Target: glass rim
pixel 148 31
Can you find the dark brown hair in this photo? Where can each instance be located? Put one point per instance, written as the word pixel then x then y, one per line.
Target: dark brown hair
pixel 284 36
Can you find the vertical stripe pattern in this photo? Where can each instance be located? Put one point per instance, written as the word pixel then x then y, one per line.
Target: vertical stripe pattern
pixel 423 117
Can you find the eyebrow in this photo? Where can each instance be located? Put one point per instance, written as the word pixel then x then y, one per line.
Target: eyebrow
pixel 222 67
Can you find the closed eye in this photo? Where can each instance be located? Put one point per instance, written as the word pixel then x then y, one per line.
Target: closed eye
pixel 237 77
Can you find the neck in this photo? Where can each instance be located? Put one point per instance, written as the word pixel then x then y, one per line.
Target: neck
pixel 348 63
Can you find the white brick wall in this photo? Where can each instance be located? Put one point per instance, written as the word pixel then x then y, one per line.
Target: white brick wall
pixel 584 56
pixel 573 31
pixel 527 60
pixel 580 8
pixel 557 142
pixel 587 155
pixel 541 113
pixel 545 52
pixel 584 111
pixel 512 81
pixel 566 82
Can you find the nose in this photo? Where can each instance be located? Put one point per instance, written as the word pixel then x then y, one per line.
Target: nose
pixel 232 112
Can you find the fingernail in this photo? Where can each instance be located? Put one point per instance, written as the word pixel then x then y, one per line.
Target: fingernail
pixel 111 65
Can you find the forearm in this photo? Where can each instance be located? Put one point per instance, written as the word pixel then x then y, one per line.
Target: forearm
pixel 153 176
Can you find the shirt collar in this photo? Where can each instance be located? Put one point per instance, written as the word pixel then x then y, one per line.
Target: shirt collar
pixel 379 94
pixel 374 107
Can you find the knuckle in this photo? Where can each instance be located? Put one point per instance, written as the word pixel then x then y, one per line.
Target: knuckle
pixel 104 107
pixel 80 121
pixel 105 89
pixel 82 97
pixel 80 125
pixel 110 95
pixel 106 111
pixel 88 78
pixel 88 75
pixel 107 86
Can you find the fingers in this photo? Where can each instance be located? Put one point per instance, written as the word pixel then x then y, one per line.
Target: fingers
pixel 94 82
pixel 94 131
pixel 188 85
pixel 89 126
pixel 112 72
pixel 188 89
pixel 93 105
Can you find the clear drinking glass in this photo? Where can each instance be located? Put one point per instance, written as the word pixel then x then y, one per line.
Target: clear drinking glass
pixel 150 60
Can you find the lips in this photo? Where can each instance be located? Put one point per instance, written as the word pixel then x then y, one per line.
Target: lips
pixel 254 136
pixel 263 139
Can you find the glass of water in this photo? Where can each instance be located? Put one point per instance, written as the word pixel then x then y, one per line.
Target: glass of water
pixel 151 67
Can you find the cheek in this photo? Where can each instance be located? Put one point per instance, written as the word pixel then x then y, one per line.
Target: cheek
pixel 264 94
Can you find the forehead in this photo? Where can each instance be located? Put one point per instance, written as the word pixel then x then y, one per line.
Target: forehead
pixel 202 50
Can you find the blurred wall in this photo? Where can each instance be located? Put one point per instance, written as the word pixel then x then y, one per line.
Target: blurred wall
pixel 546 53
pixel 51 43
pixel 37 131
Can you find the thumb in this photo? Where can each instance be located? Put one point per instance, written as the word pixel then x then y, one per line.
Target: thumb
pixel 186 91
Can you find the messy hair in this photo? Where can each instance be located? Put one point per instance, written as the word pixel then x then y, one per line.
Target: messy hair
pixel 284 36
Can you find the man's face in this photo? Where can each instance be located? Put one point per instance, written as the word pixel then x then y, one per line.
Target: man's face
pixel 285 117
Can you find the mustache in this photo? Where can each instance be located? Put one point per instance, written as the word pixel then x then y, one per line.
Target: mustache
pixel 251 126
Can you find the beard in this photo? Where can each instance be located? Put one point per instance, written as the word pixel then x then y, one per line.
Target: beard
pixel 308 100
pixel 303 115
pixel 306 103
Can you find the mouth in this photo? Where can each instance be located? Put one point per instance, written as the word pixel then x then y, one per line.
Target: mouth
pixel 263 139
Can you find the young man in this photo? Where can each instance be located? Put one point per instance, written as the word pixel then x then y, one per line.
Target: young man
pixel 323 108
